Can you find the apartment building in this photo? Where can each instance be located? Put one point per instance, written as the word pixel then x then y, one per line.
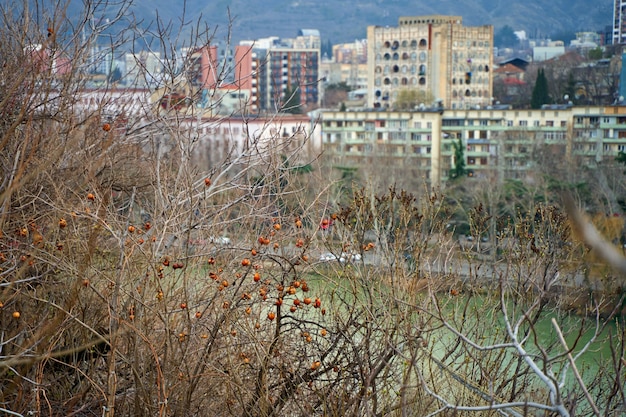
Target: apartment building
pixel 281 65
pixel 499 142
pixel 619 22
pixel 435 55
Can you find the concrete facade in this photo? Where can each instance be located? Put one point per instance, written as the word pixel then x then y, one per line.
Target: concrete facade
pixel 435 55
pixel 499 143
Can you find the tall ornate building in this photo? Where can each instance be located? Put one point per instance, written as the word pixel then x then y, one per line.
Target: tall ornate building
pixel 434 58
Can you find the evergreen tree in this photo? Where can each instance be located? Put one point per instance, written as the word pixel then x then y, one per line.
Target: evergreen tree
pixel 459 161
pixel 115 75
pixel 540 94
pixel 291 100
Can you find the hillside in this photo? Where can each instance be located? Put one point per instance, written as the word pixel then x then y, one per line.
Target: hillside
pixel 343 20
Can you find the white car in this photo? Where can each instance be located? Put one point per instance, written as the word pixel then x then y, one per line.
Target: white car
pixel 220 240
pixel 329 257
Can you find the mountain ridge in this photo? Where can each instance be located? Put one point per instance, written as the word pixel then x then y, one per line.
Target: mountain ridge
pixel 343 21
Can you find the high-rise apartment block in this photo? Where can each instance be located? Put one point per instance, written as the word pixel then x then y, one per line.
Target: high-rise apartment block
pixel 619 22
pixel 287 66
pixel 434 55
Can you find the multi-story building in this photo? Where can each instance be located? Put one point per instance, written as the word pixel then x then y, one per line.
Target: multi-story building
pixel 144 69
pixel 434 55
pixel 286 66
pixel 353 75
pixel 498 142
pixel 619 22
pixel 349 53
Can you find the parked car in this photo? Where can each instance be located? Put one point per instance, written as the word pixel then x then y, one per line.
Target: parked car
pixel 220 240
pixel 351 257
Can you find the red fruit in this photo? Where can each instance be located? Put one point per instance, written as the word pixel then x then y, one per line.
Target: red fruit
pixel 271 315
pixel 207 181
pixel 245 262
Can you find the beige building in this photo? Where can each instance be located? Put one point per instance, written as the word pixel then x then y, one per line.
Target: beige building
pixel 434 56
pixel 499 143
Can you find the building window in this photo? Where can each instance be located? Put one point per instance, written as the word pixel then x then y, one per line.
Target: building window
pixel 523 122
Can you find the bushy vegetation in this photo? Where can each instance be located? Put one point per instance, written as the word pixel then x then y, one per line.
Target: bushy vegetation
pixel 135 282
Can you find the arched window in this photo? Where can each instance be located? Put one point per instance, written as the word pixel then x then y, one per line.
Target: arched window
pixel 423 43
